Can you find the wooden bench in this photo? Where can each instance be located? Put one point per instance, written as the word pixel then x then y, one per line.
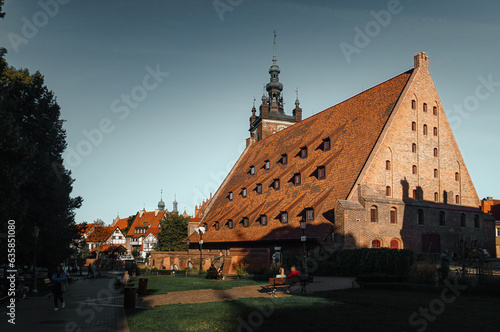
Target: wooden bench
pixel 274 283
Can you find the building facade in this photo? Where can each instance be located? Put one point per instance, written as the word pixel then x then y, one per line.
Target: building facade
pixel 381 169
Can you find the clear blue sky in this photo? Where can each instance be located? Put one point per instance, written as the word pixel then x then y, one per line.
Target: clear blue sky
pixel 182 129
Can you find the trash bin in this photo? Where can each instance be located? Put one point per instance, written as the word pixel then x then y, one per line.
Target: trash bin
pixel 129 297
pixel 143 286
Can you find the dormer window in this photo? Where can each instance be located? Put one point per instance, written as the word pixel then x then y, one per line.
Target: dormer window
pixel 259 188
pixel 321 172
pixel 284 159
pixel 276 184
pixel 230 196
pixel 267 165
pixel 230 224
pixel 244 192
pixel 310 214
pixel 245 222
pixel 252 170
pixel 284 217
pixel 216 225
pixel 303 152
pixel 263 220
pixel 296 179
pixel 326 144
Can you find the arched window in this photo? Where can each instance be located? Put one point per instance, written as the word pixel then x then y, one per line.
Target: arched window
pixel 373 214
pixel 425 107
pixel 394 215
pixel 457 199
pixel 435 110
pixel 413 126
pixel 442 218
pixel 420 217
pixel 425 129
pixel 463 220
pixel 435 131
pixel 394 244
pixel 387 164
pixel 388 191
pixel 414 147
pixel 414 169
pixel 436 173
pixel 436 197
pixel 376 244
pixel 435 152
pixel 413 104
pixel 457 176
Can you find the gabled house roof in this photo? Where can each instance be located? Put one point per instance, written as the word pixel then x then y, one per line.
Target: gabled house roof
pixel 100 234
pixel 145 219
pixel 352 129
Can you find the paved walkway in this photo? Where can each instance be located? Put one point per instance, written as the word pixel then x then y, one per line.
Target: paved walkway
pixel 92 305
pixel 320 284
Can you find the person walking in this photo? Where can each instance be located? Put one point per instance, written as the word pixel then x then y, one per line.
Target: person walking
pixel 445 266
pixel 58 277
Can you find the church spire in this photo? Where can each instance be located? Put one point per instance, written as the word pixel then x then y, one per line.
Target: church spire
pixel 274 87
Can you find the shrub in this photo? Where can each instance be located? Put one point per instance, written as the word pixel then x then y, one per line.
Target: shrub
pixel 241 268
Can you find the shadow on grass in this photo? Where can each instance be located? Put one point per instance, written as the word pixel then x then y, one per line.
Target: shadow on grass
pixel 344 310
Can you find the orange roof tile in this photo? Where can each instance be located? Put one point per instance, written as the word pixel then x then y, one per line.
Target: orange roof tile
pixel 147 219
pixel 100 234
pixel 353 127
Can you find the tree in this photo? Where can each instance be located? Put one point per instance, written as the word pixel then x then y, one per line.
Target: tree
pixel 173 232
pixel 2 14
pixel 35 187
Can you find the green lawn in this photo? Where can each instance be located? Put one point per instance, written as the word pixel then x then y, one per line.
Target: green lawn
pixel 166 284
pixel 345 310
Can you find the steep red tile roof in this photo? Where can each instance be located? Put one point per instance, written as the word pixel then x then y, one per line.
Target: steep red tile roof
pixel 145 219
pixel 121 223
pixel 100 234
pixel 353 128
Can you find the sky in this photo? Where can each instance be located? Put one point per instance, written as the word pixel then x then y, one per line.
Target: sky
pixel 156 95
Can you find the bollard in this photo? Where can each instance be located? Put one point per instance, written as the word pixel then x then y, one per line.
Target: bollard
pixel 143 286
pixel 129 297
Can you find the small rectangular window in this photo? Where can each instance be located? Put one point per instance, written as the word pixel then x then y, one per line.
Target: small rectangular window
pixel 388 191
pixel 252 170
pixel 436 173
pixel 414 148
pixel 244 192
pixel 413 104
pixel 284 159
pixel 321 173
pixel 296 179
pixel 303 152
pixel 435 131
pixel 230 195
pixel 216 225
pixel 425 107
pixel 259 188
pixel 284 217
pixel 425 129
pixel 263 220
pixel 435 110
pixel 230 224
pixel 373 214
pixel 414 126
pixel 326 144
pixel 310 214
pixel 276 184
pixel 245 222
pixel 267 165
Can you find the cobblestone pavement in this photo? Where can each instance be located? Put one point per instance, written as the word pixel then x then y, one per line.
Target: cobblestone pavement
pixel 92 305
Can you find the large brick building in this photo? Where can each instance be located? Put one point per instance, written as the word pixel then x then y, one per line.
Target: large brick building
pixel 381 169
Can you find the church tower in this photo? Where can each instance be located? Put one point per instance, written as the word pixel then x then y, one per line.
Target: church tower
pixel 272 117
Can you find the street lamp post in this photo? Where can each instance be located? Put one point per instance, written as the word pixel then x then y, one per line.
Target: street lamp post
pixel 187 249
pixel 36 230
pixel 303 238
pixel 200 231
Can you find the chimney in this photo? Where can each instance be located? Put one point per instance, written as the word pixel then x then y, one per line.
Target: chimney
pixel 421 60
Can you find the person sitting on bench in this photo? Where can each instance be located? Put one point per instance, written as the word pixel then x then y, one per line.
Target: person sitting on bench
pixel 293 278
